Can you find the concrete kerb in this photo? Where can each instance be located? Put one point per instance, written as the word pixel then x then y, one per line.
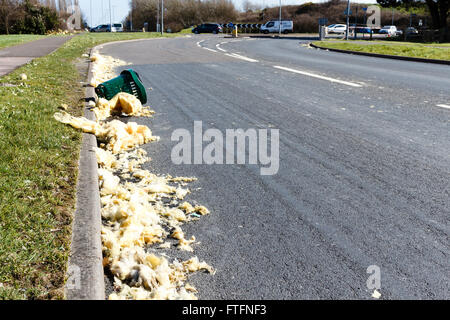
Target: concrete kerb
pixel 85 268
pixel 385 56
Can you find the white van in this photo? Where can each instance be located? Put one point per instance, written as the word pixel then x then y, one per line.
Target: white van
pixel 274 26
pixel 117 27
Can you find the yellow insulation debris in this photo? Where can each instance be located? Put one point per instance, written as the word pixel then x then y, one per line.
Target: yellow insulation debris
pixel 140 209
pixel 136 216
pixel 122 103
pixel 103 68
pixel 117 135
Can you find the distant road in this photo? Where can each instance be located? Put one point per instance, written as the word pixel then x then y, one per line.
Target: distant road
pixel 364 166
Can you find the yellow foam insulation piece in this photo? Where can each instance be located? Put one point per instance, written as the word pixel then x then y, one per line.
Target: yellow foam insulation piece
pixel 117 135
pixel 136 217
pixel 122 103
pixel 103 68
pixel 140 209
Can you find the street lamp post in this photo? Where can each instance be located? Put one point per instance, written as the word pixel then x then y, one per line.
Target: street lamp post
pixel 131 17
pixel 113 13
pixel 279 26
pixel 110 17
pixel 348 20
pixel 162 17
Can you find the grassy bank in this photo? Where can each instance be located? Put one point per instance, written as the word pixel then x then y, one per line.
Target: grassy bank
pixel 15 39
pixel 407 49
pixel 38 169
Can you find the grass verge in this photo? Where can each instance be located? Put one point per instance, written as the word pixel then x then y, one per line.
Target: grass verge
pixel 39 168
pixel 15 39
pixel 427 51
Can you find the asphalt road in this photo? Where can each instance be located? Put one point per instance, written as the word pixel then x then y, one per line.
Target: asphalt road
pixel 364 166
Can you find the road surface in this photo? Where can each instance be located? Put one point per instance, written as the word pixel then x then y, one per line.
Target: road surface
pixel 364 166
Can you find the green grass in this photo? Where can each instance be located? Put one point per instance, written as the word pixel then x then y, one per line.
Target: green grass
pixel 407 49
pixel 38 169
pixel 15 39
pixel 186 31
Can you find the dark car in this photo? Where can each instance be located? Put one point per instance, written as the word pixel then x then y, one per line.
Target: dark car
pixel 207 28
pixel 102 28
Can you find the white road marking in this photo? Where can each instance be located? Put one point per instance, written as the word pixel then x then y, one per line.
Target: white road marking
pixel 237 56
pixel 443 106
pixel 198 43
pixel 219 48
pixel 210 49
pixel 352 84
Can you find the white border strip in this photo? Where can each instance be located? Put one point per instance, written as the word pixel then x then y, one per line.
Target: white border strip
pixel 219 48
pixel 212 50
pixel 351 84
pixel 443 106
pixel 237 56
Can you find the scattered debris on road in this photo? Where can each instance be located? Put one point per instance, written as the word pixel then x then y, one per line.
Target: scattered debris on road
pixel 103 68
pixel 139 208
pixel 122 104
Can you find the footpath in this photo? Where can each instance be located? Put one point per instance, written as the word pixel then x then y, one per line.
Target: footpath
pixel 13 57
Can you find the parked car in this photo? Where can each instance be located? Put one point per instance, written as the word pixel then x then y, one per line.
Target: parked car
pixel 411 30
pixel 117 27
pixel 389 30
pixel 399 32
pixel 274 26
pixel 337 28
pixel 364 30
pixel 102 28
pixel 207 28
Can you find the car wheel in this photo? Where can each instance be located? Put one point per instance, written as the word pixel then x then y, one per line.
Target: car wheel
pixel 285 32
pixel 214 32
pixel 196 31
pixel 266 32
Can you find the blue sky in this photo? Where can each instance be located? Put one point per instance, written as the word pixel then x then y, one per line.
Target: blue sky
pixel 120 8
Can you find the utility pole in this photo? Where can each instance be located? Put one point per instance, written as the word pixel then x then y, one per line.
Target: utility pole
pixel 131 17
pixel 279 27
pixel 348 20
pixel 110 17
pixel 162 17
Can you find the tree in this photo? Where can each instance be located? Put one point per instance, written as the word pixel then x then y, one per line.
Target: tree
pixel 439 11
pixel 8 11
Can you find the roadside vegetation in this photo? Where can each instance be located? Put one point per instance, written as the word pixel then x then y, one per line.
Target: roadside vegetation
pixel 407 49
pixel 39 167
pixel 186 13
pixel 15 39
